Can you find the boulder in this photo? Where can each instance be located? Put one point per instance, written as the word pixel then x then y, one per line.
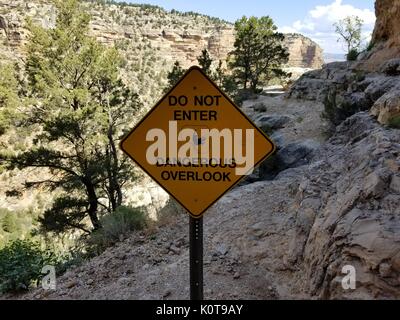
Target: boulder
pixel 387 107
pixel 296 154
pixel 391 67
pixel 356 101
pixel 260 107
pixel 380 85
pixel 278 139
pixel 269 123
pixel 309 89
pixel 293 155
pixel 315 85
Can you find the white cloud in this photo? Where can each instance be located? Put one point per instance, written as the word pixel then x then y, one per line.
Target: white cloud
pixel 318 24
pixel 337 10
pixel 304 25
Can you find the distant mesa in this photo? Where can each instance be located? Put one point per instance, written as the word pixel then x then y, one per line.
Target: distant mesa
pixel 304 52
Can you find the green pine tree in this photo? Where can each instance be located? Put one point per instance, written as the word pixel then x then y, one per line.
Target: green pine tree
pixel 174 75
pixel 78 109
pixel 258 53
pixel 205 61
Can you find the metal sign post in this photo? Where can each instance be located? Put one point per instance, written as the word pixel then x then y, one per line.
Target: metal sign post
pixel 196 258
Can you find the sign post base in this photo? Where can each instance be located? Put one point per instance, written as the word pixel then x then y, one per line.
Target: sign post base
pixel 196 258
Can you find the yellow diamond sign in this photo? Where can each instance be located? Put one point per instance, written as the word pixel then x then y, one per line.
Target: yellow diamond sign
pixel 196 143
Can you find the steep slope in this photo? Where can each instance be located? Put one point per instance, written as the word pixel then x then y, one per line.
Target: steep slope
pixel 386 36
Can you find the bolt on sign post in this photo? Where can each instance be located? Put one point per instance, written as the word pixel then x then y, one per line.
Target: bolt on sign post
pixel 197 145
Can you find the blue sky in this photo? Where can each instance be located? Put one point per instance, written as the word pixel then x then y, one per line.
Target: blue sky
pixel 313 18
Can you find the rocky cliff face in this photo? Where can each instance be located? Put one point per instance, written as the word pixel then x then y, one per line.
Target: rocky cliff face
pixel 347 202
pixel 386 36
pixel 304 53
pixel 350 89
pixel 149 38
pixel 166 33
pixel 387 26
pixel 347 213
pixel 172 36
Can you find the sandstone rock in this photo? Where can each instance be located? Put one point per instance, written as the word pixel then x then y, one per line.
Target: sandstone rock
pixel 171 39
pixel 291 174
pixel 381 85
pixel 309 89
pixel 315 85
pixel 288 156
pixel 356 101
pixel 278 139
pixel 374 185
pixel 385 270
pixel 387 107
pixel 303 52
pixel 353 90
pixel 386 34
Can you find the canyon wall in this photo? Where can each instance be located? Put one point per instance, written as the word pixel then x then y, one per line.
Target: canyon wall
pixel 304 53
pixel 174 36
pixel 386 36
